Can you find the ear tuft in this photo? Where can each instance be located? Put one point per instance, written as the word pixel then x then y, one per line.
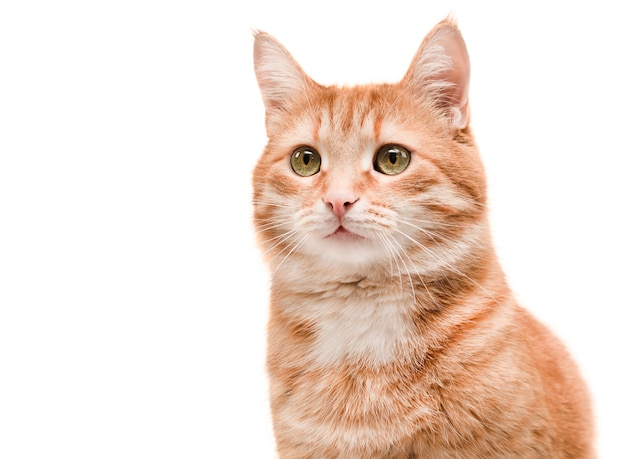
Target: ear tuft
pixel 440 70
pixel 279 76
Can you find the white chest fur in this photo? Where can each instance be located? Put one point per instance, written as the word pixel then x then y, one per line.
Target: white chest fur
pixel 358 322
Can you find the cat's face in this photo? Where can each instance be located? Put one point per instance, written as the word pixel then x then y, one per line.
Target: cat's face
pixel 380 175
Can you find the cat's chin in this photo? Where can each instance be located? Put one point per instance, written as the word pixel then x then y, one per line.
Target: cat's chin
pixel 344 247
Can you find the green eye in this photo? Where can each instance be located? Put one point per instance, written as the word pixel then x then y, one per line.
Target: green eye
pixel 306 161
pixel 392 159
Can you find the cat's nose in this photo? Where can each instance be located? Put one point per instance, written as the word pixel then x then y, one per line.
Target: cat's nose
pixel 340 202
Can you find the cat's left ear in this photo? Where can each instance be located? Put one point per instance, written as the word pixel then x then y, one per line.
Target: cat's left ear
pixel 441 70
pixel 280 78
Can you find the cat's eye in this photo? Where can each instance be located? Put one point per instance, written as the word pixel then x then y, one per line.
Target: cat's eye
pixel 306 161
pixel 392 159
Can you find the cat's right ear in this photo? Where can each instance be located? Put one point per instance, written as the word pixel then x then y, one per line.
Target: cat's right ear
pixel 280 78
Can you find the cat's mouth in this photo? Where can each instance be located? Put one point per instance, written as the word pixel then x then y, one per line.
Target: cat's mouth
pixel 342 233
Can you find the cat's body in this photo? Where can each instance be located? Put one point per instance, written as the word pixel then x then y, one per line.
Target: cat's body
pixel 393 333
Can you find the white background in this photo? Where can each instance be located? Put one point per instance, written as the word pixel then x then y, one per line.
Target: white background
pixel 132 296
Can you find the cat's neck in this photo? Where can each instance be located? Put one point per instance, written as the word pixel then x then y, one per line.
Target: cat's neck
pixel 380 316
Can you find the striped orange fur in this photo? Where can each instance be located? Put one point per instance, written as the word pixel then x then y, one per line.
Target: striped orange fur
pixel 392 331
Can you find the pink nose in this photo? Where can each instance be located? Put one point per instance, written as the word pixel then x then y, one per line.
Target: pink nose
pixel 339 202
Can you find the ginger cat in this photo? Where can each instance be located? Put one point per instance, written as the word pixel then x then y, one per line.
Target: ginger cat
pixel 392 331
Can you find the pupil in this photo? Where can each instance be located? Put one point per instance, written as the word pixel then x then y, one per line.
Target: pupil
pixel 393 157
pixel 306 158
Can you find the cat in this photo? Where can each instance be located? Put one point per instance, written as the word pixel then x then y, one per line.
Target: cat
pixel 392 332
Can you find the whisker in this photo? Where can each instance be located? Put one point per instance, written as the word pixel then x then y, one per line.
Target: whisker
pixel 271 204
pixel 433 222
pixel 417 273
pixel 393 254
pixel 437 202
pixel 444 263
pixel 271 225
pixel 428 233
pixel 295 247
pixel 407 271
pixel 281 238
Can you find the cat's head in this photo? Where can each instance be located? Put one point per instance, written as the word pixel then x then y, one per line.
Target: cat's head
pixel 369 176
